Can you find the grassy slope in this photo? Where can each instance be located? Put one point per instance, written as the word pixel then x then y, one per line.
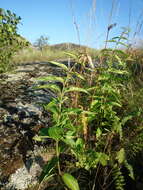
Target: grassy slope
pixel 53 52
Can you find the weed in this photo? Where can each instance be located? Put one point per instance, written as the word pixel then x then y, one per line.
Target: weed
pixel 87 119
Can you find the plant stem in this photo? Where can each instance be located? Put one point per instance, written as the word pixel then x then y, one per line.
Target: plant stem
pixel 57 154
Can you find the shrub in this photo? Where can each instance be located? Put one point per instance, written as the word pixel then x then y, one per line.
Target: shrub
pixel 10 41
pixel 89 124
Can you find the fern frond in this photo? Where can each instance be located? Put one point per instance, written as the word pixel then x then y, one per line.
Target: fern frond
pixel 130 169
pixel 118 178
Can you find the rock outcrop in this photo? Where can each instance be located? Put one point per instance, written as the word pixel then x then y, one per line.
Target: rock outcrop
pixel 21 117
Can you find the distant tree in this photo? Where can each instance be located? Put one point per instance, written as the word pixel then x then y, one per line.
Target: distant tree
pixel 41 42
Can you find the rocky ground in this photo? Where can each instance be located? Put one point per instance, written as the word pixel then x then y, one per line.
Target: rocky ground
pixel 21 117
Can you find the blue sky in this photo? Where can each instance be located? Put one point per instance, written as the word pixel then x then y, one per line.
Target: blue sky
pixel 53 18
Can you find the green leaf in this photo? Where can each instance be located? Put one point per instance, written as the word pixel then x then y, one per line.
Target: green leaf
pixel 125 119
pixel 71 55
pixel 70 181
pixel 103 77
pixel 117 126
pixel 80 143
pixel 69 142
pixel 121 52
pixel 92 88
pixel 94 102
pixel 64 99
pixel 117 71
pixel 10 29
pixel 98 133
pixel 70 134
pixel 123 38
pixel 115 104
pixel 55 132
pixel 119 60
pixel 52 106
pixel 48 177
pixel 114 41
pixel 52 78
pixel 59 65
pixel 43 132
pixel 88 113
pixel 78 75
pixel 116 37
pixel 48 168
pixel 40 138
pixel 37 138
pixel 72 111
pixel 123 44
pixel 75 89
pixel 121 156
pixel 103 158
pixel 53 87
pixel 130 169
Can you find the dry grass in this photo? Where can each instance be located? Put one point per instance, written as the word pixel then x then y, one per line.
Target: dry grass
pixel 33 55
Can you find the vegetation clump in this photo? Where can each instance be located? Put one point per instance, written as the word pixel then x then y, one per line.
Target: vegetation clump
pixel 91 123
pixel 10 41
pixel 96 113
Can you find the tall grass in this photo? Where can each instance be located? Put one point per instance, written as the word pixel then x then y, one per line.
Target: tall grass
pixel 33 55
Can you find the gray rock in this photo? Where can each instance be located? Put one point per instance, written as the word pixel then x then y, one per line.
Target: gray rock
pixel 23 177
pixel 21 117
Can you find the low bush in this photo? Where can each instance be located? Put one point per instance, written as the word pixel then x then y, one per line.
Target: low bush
pixel 10 41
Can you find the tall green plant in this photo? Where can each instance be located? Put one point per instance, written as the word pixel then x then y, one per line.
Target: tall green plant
pixel 86 118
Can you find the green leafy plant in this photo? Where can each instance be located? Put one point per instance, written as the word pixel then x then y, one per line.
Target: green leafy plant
pixel 10 41
pixel 70 181
pixel 87 123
